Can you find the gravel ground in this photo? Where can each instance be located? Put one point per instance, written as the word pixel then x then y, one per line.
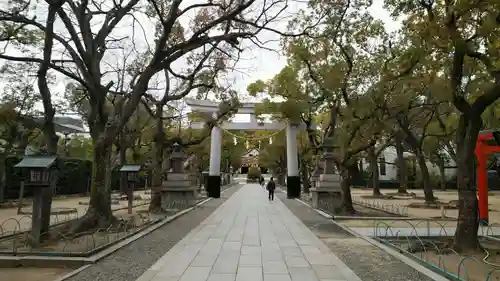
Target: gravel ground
pixel 369 262
pixel 128 263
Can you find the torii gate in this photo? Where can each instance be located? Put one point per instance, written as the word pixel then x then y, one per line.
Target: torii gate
pixel 214 178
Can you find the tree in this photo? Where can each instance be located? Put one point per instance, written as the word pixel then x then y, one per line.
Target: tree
pixel 373 154
pixel 231 153
pixel 273 156
pixel 462 37
pixel 85 50
pixel 413 119
pixel 337 59
pixel 19 102
pixel 16 125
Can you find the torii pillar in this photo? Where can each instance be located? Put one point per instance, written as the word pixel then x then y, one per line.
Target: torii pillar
pixel 214 179
pixel 292 163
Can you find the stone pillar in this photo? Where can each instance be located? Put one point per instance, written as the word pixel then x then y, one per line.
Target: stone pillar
pixel 293 179
pixel 327 195
pixel 214 180
pixel 177 190
pixel 37 217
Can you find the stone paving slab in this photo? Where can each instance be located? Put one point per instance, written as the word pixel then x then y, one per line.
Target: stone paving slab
pixel 249 238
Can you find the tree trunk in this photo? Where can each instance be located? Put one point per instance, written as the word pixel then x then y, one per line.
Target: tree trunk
pixel 442 174
pixel 466 238
pixel 281 179
pixel 51 140
pixel 347 205
pixel 48 128
pixel 123 176
pixel 155 204
pixel 305 179
pixel 372 159
pixel 3 178
pixel 402 169
pixel 99 213
pixel 426 179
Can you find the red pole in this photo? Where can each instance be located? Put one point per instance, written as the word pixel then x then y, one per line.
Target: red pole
pixel 482 183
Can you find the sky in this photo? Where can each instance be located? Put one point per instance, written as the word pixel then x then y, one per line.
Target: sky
pixel 263 64
pixel 254 64
pixel 267 64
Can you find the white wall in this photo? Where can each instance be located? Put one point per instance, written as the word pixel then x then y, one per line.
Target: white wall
pixel 390 156
pixel 390 170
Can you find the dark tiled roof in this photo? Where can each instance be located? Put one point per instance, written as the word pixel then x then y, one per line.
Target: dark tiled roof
pixel 130 168
pixel 36 162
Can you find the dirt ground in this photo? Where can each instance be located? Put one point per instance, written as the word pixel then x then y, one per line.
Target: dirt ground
pixel 443 196
pixel 476 266
pixel 32 273
pixel 80 244
pixel 63 209
pixel 398 223
pixel 137 219
pixel 471 269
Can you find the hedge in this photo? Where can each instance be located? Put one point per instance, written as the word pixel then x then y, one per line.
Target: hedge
pixel 253 174
pixel 74 178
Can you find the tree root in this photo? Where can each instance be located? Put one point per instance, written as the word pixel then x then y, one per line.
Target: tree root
pixel 92 221
pixel 466 251
pixel 343 211
pixel 378 195
pixel 154 209
pixel 155 204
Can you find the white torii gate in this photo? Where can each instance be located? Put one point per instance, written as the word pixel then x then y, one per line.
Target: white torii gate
pixel 214 180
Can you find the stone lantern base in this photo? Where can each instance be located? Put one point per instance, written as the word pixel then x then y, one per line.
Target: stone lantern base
pixel 177 192
pixel 327 194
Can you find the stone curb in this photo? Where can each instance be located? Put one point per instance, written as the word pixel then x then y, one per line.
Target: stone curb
pixel 415 265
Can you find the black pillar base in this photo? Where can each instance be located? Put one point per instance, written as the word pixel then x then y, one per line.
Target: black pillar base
pixel 213 186
pixel 292 187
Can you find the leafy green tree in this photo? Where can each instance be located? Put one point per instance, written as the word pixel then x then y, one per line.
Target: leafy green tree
pixel 273 157
pixel 459 43
pixel 320 79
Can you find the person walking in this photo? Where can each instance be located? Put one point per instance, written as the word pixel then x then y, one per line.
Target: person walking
pixel 271 186
pixel 261 181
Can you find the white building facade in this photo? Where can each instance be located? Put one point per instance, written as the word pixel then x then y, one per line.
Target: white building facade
pixel 388 169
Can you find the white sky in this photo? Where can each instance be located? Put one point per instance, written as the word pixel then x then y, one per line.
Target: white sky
pixel 258 63
pixel 267 64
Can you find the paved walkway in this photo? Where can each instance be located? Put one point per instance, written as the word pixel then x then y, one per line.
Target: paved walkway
pixel 249 238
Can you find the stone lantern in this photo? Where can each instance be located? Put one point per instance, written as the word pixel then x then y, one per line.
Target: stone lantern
pixel 177 190
pixel 329 155
pixel 327 194
pixel 132 176
pixel 177 158
pixel 38 173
